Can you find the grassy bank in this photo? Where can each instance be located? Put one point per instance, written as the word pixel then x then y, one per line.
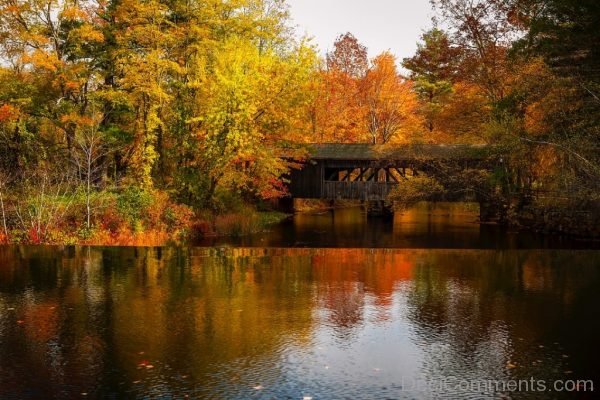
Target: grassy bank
pixel 130 217
pixel 238 223
pixel 310 206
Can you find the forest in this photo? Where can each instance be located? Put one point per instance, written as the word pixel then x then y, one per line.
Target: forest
pixel 142 121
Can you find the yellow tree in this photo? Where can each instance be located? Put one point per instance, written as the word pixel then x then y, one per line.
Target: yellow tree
pixel 49 46
pixel 250 113
pixel 145 64
pixel 462 117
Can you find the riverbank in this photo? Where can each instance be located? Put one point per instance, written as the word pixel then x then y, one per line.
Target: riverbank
pixel 135 217
pixel 208 226
pixel 572 222
pixel 130 217
pixel 226 225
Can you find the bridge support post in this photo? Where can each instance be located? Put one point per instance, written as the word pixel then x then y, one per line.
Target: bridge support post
pixel 491 212
pixel 286 205
pixel 379 208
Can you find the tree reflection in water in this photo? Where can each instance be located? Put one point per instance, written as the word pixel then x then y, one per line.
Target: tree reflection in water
pixel 287 322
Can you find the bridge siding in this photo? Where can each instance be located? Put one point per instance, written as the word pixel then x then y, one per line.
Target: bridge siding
pixel 368 191
pixel 310 182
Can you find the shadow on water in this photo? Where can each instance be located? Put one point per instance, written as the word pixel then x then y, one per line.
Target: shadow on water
pixel 428 225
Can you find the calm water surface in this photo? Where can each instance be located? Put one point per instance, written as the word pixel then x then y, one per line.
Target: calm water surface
pixel 427 225
pixel 265 322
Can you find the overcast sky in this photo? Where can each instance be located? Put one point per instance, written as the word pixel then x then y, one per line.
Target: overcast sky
pixel 379 24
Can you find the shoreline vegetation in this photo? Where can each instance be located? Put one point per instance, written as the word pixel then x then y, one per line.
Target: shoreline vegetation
pixel 131 218
pixel 128 121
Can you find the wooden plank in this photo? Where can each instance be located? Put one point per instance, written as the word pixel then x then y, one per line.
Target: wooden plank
pixel 358 190
pixel 362 173
pixel 390 175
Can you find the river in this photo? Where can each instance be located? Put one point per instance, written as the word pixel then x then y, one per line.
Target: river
pixel 328 306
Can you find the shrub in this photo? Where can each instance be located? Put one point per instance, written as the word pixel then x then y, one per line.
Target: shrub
pixel 141 217
pixel 417 189
pixel 228 202
pixel 132 203
pixel 178 217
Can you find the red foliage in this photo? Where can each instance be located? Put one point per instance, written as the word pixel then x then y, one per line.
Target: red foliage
pixel 160 222
pixel 35 237
pixel 8 113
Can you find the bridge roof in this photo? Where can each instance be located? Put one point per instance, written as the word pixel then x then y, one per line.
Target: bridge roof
pixel 369 152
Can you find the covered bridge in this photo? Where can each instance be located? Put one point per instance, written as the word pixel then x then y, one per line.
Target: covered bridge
pixel 369 172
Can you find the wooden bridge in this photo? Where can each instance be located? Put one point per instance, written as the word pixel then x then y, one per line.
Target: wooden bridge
pixel 369 172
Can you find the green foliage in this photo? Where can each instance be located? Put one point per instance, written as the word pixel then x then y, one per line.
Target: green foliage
pixel 478 182
pixel 450 106
pixel 436 59
pixel 434 68
pixel 132 203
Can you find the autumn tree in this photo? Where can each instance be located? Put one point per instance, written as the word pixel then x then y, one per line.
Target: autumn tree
pixel 362 101
pixel 484 31
pixel 453 107
pixel 236 97
pixel 390 103
pixel 248 115
pixel 145 67
pixel 51 44
pixel 533 61
pixel 560 114
pixel 337 112
pixel 199 99
pixel 348 56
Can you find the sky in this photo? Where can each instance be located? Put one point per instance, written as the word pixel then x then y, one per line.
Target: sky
pixel 381 25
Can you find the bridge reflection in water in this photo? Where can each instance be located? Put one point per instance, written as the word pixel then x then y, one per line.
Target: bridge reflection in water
pixel 426 225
